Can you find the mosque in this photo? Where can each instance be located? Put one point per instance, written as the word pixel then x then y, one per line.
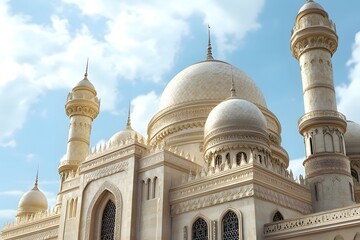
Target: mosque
pixel 212 166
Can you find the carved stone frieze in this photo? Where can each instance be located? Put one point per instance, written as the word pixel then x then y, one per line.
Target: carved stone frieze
pixel 85 110
pixel 313 42
pixel 314 221
pixel 105 171
pixel 196 203
pixel 98 160
pixel 327 163
pixel 33 229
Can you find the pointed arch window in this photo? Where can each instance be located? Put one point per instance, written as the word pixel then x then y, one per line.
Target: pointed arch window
pixel 218 160
pixel 355 174
pixel 230 226
pixel 278 217
pixel 108 221
pixel 200 230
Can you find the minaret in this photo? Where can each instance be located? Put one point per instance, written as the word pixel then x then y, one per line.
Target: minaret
pixel 82 107
pixel 313 42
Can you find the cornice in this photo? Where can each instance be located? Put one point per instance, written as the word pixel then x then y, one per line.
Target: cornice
pixel 237 183
pixel 42 228
pixel 314 223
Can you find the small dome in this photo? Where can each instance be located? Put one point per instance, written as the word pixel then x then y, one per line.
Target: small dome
pixel 352 138
pixel 235 112
pixel 311 5
pixel 32 201
pixel 85 83
pixel 126 134
pixel 208 81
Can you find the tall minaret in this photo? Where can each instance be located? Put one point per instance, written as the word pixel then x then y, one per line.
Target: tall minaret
pixel 82 107
pixel 313 42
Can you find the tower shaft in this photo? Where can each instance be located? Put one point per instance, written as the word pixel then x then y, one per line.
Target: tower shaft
pixel 313 42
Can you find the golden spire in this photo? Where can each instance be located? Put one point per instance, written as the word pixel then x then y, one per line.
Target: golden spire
pixel 36 179
pixel 128 124
pixel 232 89
pixel 209 52
pixel 86 69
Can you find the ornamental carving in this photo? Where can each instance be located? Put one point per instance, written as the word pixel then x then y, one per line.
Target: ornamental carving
pixel 179 116
pixel 84 110
pixel 212 199
pixel 327 163
pixel 313 222
pixel 106 171
pixel 313 42
pixel 105 188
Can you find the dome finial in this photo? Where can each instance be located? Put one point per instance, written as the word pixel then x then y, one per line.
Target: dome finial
pixel 209 52
pixel 232 89
pixel 128 124
pixel 86 69
pixel 36 179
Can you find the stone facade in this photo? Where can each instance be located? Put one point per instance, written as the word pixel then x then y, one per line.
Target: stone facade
pixel 206 172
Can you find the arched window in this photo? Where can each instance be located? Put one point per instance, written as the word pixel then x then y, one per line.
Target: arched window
pixel 278 217
pixel 311 146
pixel 155 187
pixel 338 237
pixel 148 184
pixel 260 158
pixel 200 230
pixel 228 158
pixel 240 156
pixel 329 145
pixel 218 160
pixel 354 174
pixel 108 221
pixel 230 226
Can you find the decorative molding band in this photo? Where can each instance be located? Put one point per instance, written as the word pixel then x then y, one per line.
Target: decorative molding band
pixel 50 224
pixel 327 163
pixel 326 41
pixel 314 221
pixel 89 110
pixel 105 171
pixel 95 161
pixel 212 199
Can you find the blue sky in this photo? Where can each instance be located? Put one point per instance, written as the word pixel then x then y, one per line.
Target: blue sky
pixel 135 48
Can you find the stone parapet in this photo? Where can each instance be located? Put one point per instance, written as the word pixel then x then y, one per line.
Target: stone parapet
pixel 319 222
pixel 321 117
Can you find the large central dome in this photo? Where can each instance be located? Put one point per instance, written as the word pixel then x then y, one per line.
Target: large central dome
pixel 189 98
pixel 209 80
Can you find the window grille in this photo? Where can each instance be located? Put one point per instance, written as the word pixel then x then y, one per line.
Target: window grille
pixel 230 224
pixel 200 230
pixel 108 221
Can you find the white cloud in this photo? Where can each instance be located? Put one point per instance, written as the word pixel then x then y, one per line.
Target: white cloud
pixel 296 165
pixel 16 193
pixel 7 143
pixel 349 97
pixel 140 41
pixel 143 108
pixel 7 214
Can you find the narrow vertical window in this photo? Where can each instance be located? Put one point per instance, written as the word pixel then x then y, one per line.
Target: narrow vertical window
pixel 154 187
pixel 354 174
pixel 218 160
pixel 351 192
pixel 108 221
pixel 148 184
pixel 316 192
pixel 230 226
pixel 311 146
pixel 228 158
pixel 200 230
